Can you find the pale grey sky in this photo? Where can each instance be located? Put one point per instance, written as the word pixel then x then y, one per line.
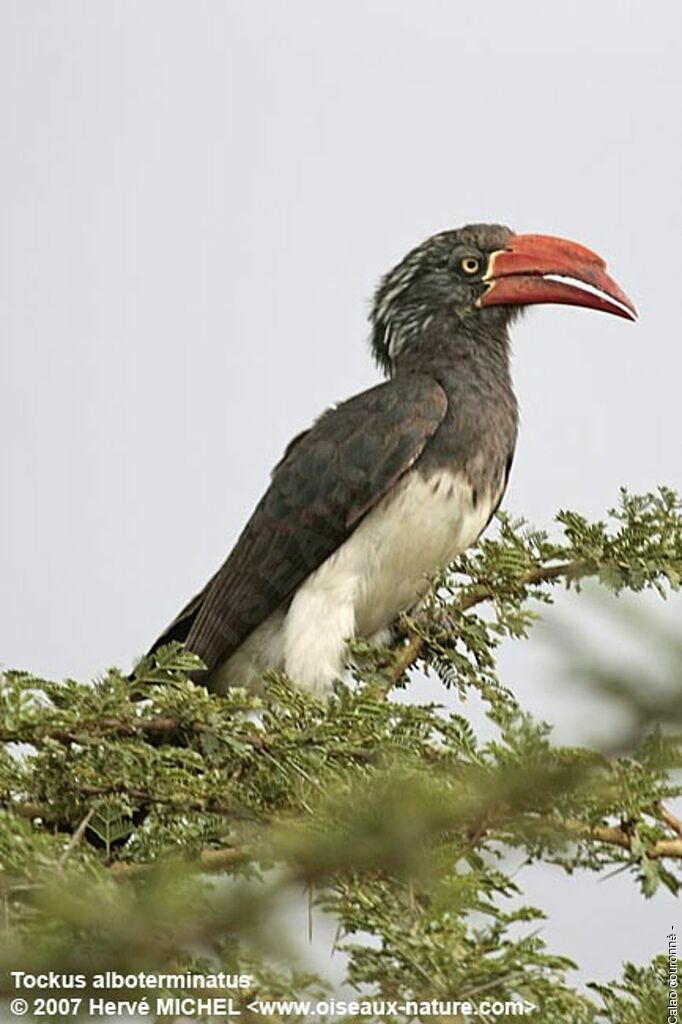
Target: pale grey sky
pixel 196 201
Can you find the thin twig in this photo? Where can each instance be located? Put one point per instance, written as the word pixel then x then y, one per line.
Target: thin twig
pixel 76 839
pixel 670 819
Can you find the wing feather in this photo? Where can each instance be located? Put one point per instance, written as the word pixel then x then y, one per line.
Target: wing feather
pixel 327 480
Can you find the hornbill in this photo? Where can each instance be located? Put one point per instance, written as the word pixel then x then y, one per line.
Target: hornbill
pixel 386 488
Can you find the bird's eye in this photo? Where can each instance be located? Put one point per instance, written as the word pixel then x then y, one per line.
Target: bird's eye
pixel 470 265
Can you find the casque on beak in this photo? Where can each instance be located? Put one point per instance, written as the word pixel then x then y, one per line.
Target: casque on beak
pixel 520 275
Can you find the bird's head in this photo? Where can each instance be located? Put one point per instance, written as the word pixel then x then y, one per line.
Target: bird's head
pixel 483 275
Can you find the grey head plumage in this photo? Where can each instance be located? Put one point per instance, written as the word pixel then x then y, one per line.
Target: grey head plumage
pixel 442 275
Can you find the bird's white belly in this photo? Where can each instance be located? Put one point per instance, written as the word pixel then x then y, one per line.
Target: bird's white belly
pixel 381 570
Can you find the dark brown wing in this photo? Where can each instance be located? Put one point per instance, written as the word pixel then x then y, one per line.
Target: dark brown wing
pixel 328 479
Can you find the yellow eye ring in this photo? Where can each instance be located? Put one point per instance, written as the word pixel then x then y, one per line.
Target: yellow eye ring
pixel 470 265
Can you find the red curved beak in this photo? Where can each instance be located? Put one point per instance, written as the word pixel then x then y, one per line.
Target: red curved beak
pixel 520 275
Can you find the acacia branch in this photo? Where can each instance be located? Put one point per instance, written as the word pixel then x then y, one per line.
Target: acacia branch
pixel 208 804
pixel 207 861
pixel 213 860
pixel 87 731
pixel 95 730
pixel 408 654
pixel 144 797
pixel 615 836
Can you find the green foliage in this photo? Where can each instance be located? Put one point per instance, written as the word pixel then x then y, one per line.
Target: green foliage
pixel 641 994
pixel 148 824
